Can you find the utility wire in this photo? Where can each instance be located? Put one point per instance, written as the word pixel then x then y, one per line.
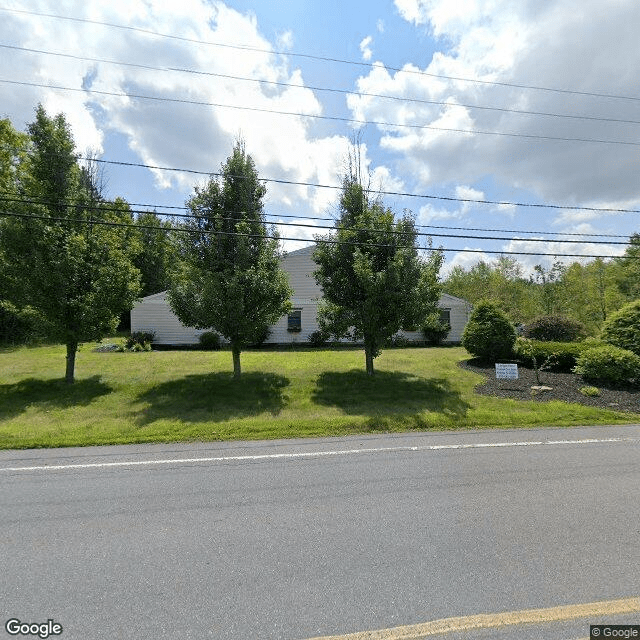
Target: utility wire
pixel 307 56
pixel 332 227
pixel 360 94
pixel 141 208
pixel 503 203
pixel 317 239
pixel 378 123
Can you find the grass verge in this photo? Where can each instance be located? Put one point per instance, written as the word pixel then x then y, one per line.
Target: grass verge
pixel 165 396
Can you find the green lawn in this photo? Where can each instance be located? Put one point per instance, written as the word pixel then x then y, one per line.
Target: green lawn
pixel 165 396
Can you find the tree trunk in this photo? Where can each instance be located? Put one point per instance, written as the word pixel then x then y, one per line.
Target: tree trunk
pixel 368 355
pixel 72 348
pixel 236 362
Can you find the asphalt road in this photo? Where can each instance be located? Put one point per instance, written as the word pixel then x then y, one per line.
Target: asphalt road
pixel 297 539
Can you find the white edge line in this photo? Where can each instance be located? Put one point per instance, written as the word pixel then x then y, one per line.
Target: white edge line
pixel 316 454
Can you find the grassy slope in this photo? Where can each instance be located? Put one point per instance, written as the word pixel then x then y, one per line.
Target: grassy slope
pixel 189 395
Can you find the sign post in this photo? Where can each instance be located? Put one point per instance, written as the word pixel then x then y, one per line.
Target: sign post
pixel 506 371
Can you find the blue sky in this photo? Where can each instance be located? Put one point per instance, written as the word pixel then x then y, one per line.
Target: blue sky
pixel 447 69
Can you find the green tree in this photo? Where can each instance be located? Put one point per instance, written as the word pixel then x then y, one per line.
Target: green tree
pixel 77 275
pixel 373 281
pixel 628 275
pixel 622 328
pixel 157 253
pixel 229 277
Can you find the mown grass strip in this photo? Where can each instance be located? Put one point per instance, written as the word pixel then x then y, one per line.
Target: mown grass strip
pixel 190 395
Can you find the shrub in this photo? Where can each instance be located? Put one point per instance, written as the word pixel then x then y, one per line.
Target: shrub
pixel 318 338
pixel 139 341
pixel 608 364
pixel 591 392
pixel 435 330
pixel 489 334
pixel 552 356
pixel 398 341
pixel 622 328
pixel 554 329
pixel 209 341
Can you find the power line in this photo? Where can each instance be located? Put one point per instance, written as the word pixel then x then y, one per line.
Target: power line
pixel 142 208
pixel 361 94
pixel 316 226
pixel 317 239
pixel 526 136
pixel 321 58
pixel 401 194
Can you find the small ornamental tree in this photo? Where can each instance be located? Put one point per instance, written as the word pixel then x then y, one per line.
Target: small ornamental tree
pixel 489 333
pixel 373 281
pixel 622 328
pixel 229 278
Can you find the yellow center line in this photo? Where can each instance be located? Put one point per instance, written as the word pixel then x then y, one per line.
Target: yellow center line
pixel 494 620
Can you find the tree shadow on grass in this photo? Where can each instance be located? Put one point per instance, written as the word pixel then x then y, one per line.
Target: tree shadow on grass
pixel 390 394
pixel 214 397
pixel 49 394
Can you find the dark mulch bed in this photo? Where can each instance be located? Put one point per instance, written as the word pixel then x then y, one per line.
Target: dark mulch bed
pixel 564 386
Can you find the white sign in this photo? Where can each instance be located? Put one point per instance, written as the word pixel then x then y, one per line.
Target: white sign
pixel 506 371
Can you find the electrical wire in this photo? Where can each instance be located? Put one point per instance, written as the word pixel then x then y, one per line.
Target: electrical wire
pixel 360 94
pixel 315 226
pixel 317 239
pixel 141 208
pixel 380 192
pixel 525 136
pixel 307 56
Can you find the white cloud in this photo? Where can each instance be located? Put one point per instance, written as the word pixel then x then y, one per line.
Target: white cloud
pixel 176 134
pixel 380 26
pixel 366 49
pixel 523 43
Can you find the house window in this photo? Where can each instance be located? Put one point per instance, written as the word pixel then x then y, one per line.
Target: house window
pixel 294 320
pixel 445 316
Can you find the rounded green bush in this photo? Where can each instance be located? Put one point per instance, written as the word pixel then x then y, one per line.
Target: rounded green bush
pixel 209 341
pixel 608 364
pixel 489 333
pixel 555 329
pixel 622 328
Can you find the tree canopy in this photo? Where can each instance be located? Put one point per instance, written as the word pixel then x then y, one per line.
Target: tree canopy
pixel 229 277
pixel 76 274
pixel 373 280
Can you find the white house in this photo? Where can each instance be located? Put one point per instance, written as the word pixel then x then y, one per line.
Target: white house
pixel 154 314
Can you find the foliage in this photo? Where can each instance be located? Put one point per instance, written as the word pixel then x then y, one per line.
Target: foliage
pixel 209 341
pixel 591 392
pixel 139 341
pixel 435 330
pixel 398 341
pixel 501 282
pixel 318 338
pixel 78 276
pixel 489 334
pixel 622 328
pixel 628 274
pixel 554 329
pixel 373 281
pixel 20 326
pixel 157 253
pixel 229 277
pixel 554 356
pixel 608 363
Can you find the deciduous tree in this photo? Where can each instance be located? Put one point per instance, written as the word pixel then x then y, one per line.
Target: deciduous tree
pixel 229 277
pixel 374 283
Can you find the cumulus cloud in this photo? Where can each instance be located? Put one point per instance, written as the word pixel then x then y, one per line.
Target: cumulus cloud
pixel 521 43
pixel 170 131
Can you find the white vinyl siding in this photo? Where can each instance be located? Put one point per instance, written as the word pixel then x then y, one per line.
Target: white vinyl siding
pixel 154 314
